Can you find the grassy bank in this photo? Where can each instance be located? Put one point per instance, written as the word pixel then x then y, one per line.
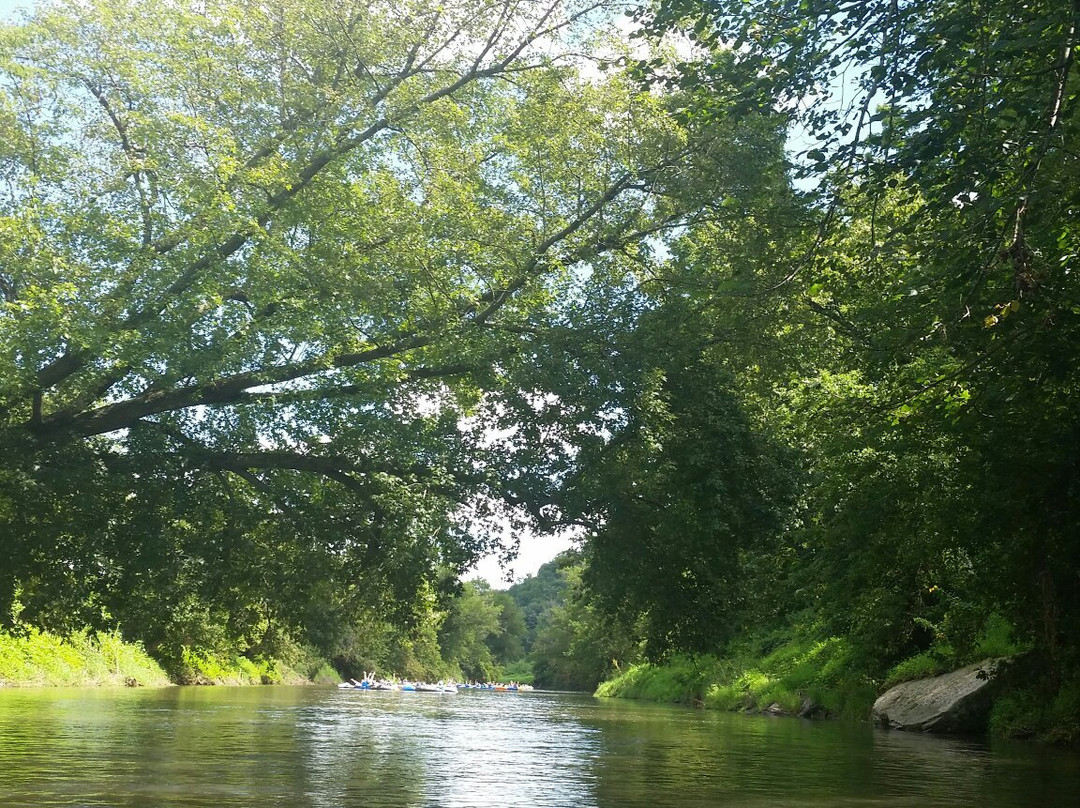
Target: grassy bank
pixel 209 668
pixel 787 678
pixel 1051 715
pixel 40 659
pixel 824 676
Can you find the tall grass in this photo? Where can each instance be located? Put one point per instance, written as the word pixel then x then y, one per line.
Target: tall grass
pixel 38 658
pixel 34 658
pixel 210 668
pixel 680 680
pixel 787 677
pixel 1024 712
pixel 995 639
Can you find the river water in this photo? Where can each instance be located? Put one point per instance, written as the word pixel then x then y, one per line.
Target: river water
pixel 224 747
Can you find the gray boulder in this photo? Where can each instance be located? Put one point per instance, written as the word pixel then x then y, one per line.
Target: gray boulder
pixel 775 709
pixel 954 702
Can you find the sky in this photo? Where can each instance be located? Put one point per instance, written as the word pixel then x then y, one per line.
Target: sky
pixel 8 7
pixel 535 551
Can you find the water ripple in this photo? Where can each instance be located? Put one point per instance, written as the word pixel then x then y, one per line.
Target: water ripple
pixel 317 748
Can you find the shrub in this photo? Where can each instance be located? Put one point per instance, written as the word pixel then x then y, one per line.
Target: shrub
pixel 919 666
pixel 325 675
pixel 996 639
pixel 755 674
pixel 727 697
pixel 520 671
pixel 679 680
pixel 1026 712
pixel 40 658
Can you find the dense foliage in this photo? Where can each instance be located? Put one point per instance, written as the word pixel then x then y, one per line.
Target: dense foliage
pixel 273 275
pixel 306 305
pixel 918 349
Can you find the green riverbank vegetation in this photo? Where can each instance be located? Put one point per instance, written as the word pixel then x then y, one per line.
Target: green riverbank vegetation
pixel 787 673
pixel 308 305
pixel 36 658
pixel 796 677
pixel 480 635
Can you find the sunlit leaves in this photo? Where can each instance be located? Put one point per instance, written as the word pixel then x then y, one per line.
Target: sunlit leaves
pixel 260 262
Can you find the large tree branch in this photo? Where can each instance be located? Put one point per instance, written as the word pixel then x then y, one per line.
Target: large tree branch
pixel 353 474
pixel 133 154
pixel 232 389
pixel 289 461
pixel 350 138
pixel 228 390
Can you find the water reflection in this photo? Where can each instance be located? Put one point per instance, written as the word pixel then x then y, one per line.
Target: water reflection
pixel 959 770
pixel 230 747
pixel 703 758
pixel 466 750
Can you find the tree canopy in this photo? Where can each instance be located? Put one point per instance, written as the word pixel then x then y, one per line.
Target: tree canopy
pixel 920 349
pixel 275 274
pixel 306 305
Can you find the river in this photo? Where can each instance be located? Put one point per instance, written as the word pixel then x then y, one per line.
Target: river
pixel 222 747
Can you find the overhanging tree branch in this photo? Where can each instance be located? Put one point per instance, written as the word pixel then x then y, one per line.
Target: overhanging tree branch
pixel 350 137
pixel 232 389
